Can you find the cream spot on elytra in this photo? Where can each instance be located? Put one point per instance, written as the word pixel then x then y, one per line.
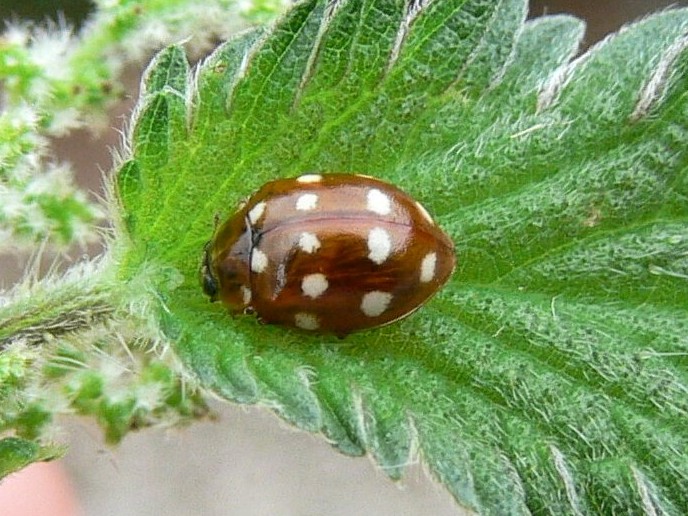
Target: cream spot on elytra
pixel 314 285
pixel 375 303
pixel 256 212
pixel 309 243
pixel 379 245
pixel 307 202
pixel 259 261
pixel 306 321
pixel 309 178
pixel 427 267
pixel 379 202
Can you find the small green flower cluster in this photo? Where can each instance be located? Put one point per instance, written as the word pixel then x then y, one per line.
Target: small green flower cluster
pixel 123 390
pixel 54 80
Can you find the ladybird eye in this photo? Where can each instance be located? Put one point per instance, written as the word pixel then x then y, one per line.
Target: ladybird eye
pixel 208 280
pixel 210 286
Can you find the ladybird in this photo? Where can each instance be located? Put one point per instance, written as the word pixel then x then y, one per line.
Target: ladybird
pixel 329 253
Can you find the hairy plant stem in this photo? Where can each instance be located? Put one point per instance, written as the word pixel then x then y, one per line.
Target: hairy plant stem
pixel 36 314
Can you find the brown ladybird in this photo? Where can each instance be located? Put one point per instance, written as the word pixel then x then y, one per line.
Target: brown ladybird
pixel 333 253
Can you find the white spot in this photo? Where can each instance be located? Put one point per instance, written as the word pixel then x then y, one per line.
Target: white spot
pixel 425 213
pixel 313 285
pixel 379 202
pixel 309 178
pixel 246 293
pixel 379 245
pixel 309 243
pixel 427 267
pixel 375 302
pixel 259 261
pixel 256 212
pixel 306 321
pixel 307 202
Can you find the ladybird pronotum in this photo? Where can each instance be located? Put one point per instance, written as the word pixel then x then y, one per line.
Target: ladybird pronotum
pixel 332 253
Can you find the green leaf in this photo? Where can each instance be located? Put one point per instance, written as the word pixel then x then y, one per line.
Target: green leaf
pixel 16 454
pixel 550 375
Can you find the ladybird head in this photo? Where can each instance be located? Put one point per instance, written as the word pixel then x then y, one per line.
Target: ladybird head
pixel 225 273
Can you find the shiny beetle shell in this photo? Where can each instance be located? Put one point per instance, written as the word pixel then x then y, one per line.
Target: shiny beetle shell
pixel 333 253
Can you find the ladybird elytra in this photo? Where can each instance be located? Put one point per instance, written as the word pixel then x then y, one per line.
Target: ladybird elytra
pixel 330 253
